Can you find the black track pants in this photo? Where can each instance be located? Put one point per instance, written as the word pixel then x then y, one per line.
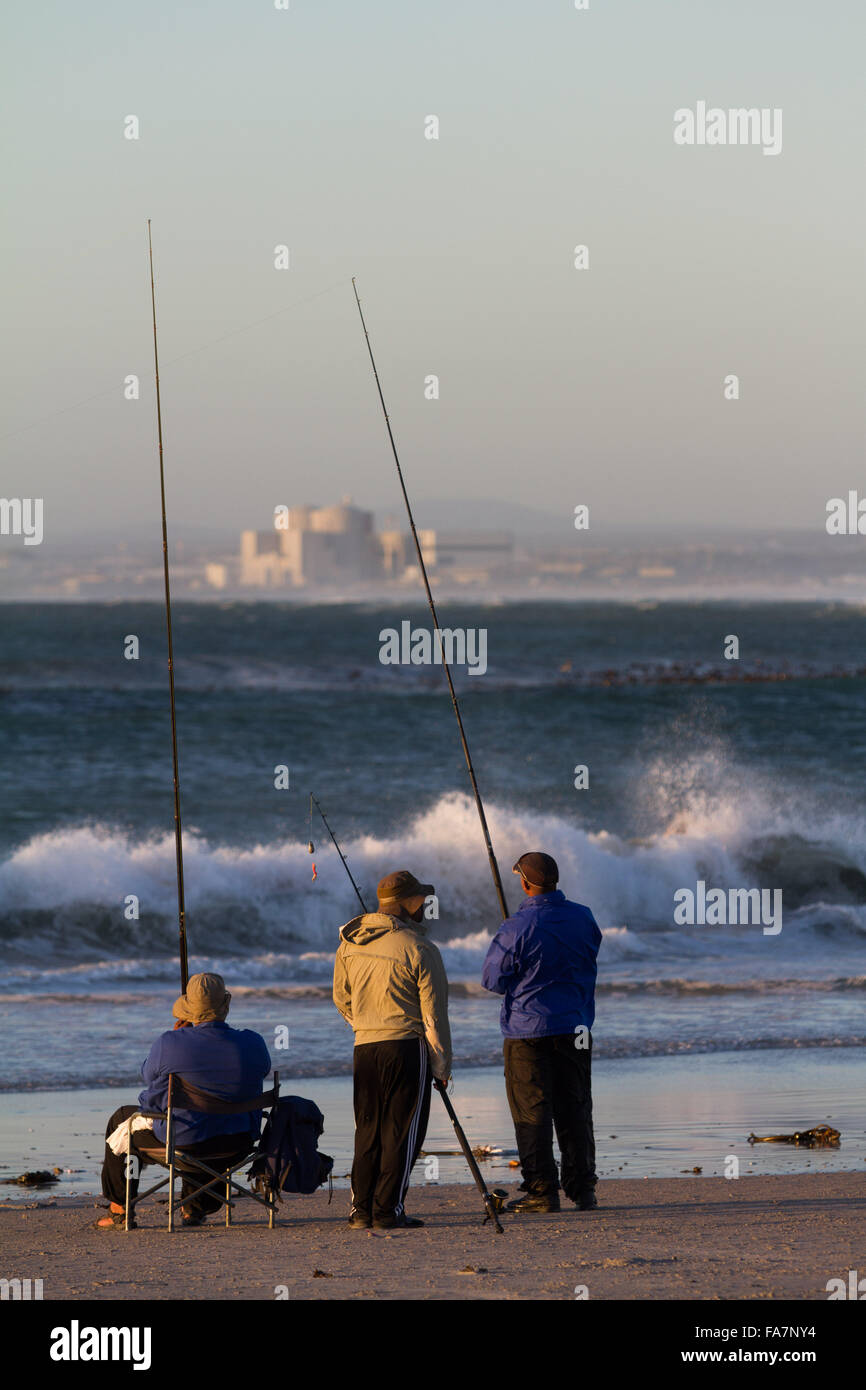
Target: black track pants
pixel 392 1107
pixel 548 1083
pixel 114 1165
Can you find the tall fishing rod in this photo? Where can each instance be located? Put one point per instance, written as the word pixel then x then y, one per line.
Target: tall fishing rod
pixel 491 857
pixel 493 1201
pixel 178 838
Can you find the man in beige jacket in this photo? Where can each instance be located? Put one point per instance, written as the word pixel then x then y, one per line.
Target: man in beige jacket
pixel 390 985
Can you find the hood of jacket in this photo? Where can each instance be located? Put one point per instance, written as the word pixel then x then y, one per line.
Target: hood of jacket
pixel 390 985
pixel 374 925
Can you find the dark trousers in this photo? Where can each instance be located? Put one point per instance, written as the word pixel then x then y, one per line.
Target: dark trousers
pixel 114 1165
pixel 392 1107
pixel 548 1082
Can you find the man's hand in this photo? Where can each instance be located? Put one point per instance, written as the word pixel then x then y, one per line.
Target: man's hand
pixel 443 1083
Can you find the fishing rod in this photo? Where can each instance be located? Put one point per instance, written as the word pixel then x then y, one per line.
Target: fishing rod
pixel 181 908
pixel 491 857
pixel 340 852
pixel 493 1201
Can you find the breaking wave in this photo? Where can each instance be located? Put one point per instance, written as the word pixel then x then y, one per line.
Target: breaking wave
pixel 63 893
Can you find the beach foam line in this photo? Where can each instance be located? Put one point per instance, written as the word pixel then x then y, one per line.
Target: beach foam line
pixel 604 1049
pixel 458 989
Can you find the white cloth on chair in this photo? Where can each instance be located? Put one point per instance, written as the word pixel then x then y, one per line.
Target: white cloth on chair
pixel 118 1140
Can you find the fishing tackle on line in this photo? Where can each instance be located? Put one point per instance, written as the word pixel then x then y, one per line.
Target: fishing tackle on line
pixel 336 847
pixel 311 848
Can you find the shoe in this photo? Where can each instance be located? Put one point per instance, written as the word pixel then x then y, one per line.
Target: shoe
pixel 193 1218
pixel 359 1220
pixel 115 1221
pixel 395 1223
pixel 535 1202
pixel 587 1201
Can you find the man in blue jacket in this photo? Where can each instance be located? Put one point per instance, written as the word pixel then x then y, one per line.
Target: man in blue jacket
pixel 543 960
pixel 230 1063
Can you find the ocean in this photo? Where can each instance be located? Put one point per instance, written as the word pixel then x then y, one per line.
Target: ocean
pixel 739 774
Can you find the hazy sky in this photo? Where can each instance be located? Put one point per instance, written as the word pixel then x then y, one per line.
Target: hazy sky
pixel 558 386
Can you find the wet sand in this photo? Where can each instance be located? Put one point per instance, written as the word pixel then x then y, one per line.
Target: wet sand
pixel 654 1118
pixel 681 1238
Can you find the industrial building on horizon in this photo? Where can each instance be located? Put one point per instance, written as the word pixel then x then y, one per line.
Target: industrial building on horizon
pixel 336 545
pixel 337 551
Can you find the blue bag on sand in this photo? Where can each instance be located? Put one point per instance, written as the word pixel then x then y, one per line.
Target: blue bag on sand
pixel 288 1158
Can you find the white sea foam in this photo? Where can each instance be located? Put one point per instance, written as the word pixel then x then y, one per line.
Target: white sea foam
pixel 65 889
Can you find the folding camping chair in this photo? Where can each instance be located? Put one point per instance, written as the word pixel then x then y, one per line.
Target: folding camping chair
pixel 185 1096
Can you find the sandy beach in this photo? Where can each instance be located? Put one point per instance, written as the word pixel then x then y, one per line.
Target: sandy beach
pixel 674 1239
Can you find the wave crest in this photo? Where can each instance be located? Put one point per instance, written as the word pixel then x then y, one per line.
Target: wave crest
pixel 65 890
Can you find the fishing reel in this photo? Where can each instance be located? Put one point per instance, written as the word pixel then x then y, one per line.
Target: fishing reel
pixel 496 1205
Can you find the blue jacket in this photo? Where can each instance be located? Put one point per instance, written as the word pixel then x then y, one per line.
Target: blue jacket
pixel 543 960
pixel 229 1062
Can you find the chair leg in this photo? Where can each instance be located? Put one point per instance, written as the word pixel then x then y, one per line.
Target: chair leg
pixel 170 1156
pixel 128 1176
pixel 272 1209
pixel 228 1200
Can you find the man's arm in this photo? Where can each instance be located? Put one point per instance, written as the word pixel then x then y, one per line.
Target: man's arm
pixel 342 992
pixel 263 1056
pixel 433 995
pixel 596 934
pixel 154 1074
pixel 151 1067
pixel 501 964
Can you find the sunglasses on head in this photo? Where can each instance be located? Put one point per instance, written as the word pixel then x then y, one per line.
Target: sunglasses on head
pixel 516 869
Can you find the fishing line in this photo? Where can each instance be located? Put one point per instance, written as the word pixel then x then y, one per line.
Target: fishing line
pixel 491 857
pixel 178 834
pixel 336 847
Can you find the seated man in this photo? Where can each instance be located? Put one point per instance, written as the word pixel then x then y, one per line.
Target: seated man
pixel 227 1062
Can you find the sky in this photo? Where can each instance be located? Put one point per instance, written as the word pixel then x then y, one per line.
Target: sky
pixel 305 127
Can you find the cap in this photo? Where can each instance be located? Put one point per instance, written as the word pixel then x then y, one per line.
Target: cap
pixel 206 1000
pixel 401 887
pixel 541 870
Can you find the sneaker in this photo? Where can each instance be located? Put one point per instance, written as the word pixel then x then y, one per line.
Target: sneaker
pixel 359 1220
pixel 535 1202
pixel 394 1223
pixel 587 1201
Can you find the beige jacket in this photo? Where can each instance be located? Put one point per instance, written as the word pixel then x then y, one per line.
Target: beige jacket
pixel 390 983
